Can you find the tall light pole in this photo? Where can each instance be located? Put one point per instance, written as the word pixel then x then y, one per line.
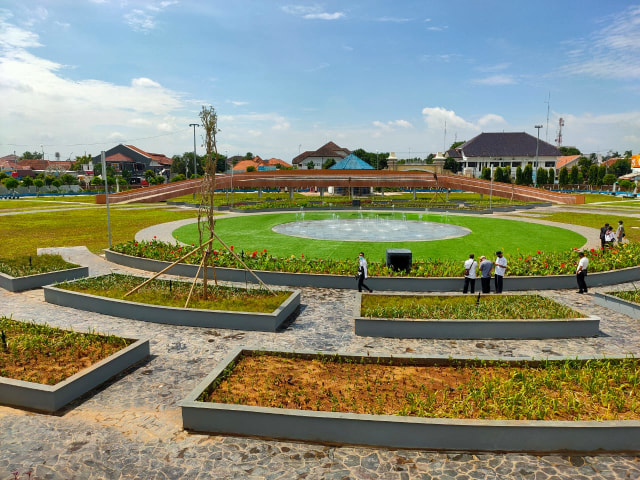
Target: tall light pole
pixel 537 142
pixel 195 169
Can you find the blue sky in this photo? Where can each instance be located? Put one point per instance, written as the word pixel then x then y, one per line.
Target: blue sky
pixel 286 77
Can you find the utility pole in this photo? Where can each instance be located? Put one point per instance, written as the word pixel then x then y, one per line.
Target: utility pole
pixel 195 169
pixel 537 142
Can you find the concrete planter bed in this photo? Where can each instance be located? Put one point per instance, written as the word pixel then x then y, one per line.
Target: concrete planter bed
pixel 475 328
pixel 18 284
pixel 50 398
pixel 193 317
pixel 617 304
pixel 400 284
pixel 401 431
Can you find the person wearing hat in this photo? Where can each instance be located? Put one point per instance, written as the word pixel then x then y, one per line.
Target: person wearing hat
pixel 485 274
pixel 581 272
pixel 501 268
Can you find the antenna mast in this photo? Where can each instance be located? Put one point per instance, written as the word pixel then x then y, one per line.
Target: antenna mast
pixel 444 140
pixel 548 102
pixel 559 138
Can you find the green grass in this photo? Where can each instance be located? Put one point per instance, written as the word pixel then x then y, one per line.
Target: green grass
pixel 253 232
pixel 23 266
pixel 464 307
pixel 628 295
pixel 597 220
pixel 174 293
pixel 22 235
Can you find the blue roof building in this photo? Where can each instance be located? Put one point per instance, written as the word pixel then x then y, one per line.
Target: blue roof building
pixel 351 162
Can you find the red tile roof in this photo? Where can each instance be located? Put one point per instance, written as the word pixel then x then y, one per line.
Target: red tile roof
pixel 118 157
pixel 160 158
pixel 562 161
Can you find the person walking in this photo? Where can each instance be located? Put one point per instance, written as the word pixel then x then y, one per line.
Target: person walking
pixel 501 268
pixel 470 269
pixel 362 272
pixel 581 272
pixel 609 237
pixel 603 233
pixel 620 232
pixel 485 274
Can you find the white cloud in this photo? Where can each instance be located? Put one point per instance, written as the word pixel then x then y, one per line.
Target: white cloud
pixel 393 19
pixel 311 12
pixel 496 80
pixel 389 126
pixel 144 83
pixel 611 51
pixel 140 21
pixel 238 103
pixel 600 133
pixel 441 28
pixel 490 121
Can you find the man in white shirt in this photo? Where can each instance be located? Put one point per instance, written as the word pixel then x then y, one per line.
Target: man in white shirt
pixel 581 272
pixel 501 268
pixel 362 272
pixel 470 268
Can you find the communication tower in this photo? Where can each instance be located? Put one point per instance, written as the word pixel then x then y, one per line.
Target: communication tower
pixel 559 137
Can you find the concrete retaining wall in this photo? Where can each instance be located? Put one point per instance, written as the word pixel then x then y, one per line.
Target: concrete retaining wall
pixel 401 284
pixel 50 398
pixel 193 317
pixel 18 284
pixel 617 304
pixel 475 328
pixel 404 432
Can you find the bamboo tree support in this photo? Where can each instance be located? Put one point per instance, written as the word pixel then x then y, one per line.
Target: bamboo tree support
pixel 195 280
pixel 168 268
pixel 240 260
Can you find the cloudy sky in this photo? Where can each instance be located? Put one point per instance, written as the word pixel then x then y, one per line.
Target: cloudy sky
pixel 81 76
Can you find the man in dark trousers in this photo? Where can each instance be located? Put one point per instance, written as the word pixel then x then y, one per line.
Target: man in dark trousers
pixel 581 273
pixel 603 233
pixel 485 274
pixel 362 272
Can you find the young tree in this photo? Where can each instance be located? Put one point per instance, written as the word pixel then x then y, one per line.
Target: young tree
pixel 27 181
pixel 498 175
pixel 251 168
pixel 452 165
pixel 573 175
pixel 602 171
pixel 541 176
pixel 11 183
pixel 486 173
pixel 39 183
pixel 507 174
pixel 519 176
pixel 621 167
pixel 310 165
pixel 563 176
pixel 609 179
pixel 328 163
pixel 593 175
pixel 527 175
pixel 551 176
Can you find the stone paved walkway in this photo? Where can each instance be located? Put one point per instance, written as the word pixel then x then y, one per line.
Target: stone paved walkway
pixel 131 427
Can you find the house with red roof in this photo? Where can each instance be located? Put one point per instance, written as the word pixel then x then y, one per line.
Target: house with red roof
pixel 133 159
pixel 259 164
pixel 567 161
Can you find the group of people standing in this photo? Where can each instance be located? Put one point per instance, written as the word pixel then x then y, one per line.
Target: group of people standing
pixel 485 267
pixel 608 236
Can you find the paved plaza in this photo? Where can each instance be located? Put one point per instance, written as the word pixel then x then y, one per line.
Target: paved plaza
pixel 131 427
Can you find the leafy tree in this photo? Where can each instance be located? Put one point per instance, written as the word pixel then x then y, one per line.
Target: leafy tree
pixel 506 174
pixel 527 175
pixel 519 176
pixel 310 165
pixel 56 183
pixel 563 176
pixel 178 165
pixel 566 151
pixel 626 184
pixel 628 154
pixel 97 181
pixel 455 145
pixel 573 175
pixel 79 161
pixel 48 180
pixel 27 181
pixel 3 175
pixel 32 156
pixel 11 183
pixel 551 176
pixel 252 168
pixel 149 174
pixel 609 179
pixel 248 156
pixel 39 183
pixel 178 178
pixel 498 175
pixel 593 175
pixel 377 160
pixel 486 173
pixel 585 164
pixel 452 165
pixel 602 171
pixel 621 167
pixel 541 176
pixel 69 179
pixel 328 163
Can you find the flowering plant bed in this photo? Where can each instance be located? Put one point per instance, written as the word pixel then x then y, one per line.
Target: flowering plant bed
pixel 470 317
pixel 420 402
pixel 24 273
pixel 540 264
pixel 44 367
pixel 162 301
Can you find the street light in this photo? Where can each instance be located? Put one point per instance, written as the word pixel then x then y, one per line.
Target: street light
pixel 195 169
pixel 537 141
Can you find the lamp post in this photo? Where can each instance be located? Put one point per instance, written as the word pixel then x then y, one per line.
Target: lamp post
pixel 538 127
pixel 195 169
pixel 491 186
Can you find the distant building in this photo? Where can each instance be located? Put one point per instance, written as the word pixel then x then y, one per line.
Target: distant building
pixel 260 165
pixel 567 161
pixel 505 149
pixel 318 157
pixel 129 158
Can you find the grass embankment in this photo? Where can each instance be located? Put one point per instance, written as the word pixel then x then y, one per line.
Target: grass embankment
pixel 563 390
pixel 23 234
pixel 47 355
pixel 174 293
pixel 487 235
pixel 628 295
pixel 597 220
pixel 23 266
pixel 464 307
